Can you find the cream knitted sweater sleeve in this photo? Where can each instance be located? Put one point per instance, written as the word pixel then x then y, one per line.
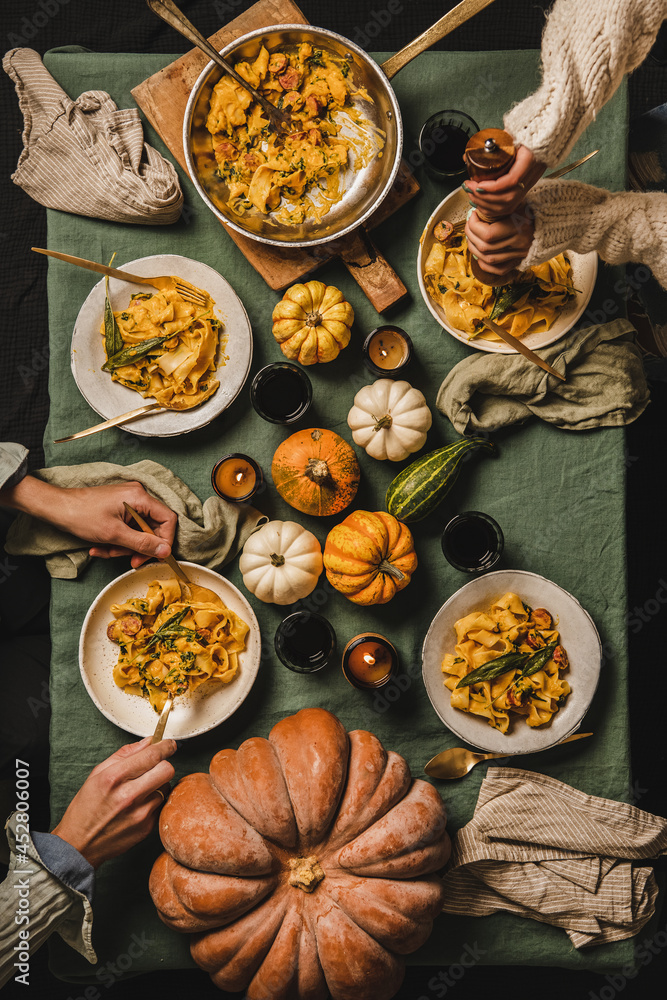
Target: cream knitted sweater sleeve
pixel 621 226
pixel 587 47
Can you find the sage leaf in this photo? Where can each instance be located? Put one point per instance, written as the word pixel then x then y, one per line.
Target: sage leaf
pixel 539 659
pixel 113 341
pixel 494 668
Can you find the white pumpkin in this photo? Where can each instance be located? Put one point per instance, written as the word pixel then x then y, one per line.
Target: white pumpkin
pixel 389 419
pixel 281 562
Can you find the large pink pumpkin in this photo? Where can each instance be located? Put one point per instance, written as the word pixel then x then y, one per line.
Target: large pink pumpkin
pixel 300 862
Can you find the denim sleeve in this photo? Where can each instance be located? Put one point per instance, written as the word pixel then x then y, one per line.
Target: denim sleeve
pixel 65 862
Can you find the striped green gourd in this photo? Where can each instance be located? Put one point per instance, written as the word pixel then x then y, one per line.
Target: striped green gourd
pixel 421 486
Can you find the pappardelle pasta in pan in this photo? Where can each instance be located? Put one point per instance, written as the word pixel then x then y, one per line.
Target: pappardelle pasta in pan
pixel 507 660
pixel 531 304
pixel 169 645
pixel 299 175
pixel 164 347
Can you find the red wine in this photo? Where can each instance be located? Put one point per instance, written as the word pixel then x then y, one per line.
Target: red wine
pixel 304 641
pixel 281 393
pixel 443 140
pixel 472 542
pixel 449 143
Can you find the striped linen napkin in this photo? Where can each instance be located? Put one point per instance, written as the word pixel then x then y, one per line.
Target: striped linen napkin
pixel 541 849
pixel 86 156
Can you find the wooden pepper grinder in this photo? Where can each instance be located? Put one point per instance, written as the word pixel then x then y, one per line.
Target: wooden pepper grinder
pixel 490 154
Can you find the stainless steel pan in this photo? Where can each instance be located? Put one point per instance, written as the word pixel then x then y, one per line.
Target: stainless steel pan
pixel 364 188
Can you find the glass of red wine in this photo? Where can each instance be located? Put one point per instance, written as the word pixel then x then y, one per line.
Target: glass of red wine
pixel 305 642
pixel 442 142
pixel 472 542
pixel 281 393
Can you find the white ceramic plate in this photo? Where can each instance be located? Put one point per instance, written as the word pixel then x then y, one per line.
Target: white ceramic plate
pixel 192 713
pixel 110 399
pixel 584 272
pixel 578 635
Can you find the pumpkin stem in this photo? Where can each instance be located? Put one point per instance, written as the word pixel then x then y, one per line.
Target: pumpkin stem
pixel 277 560
pixel 387 567
pixel 317 471
pixel 313 318
pixel 306 873
pixel 384 423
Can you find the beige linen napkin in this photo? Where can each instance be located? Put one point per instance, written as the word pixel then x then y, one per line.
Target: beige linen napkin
pixel 86 156
pixel 605 387
pixel 541 849
pixel 211 533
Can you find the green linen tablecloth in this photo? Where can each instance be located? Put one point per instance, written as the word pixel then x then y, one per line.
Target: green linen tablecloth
pixel 559 498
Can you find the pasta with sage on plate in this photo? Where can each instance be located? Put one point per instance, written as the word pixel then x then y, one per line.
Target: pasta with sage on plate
pixel 529 305
pixel 297 176
pixel 170 645
pixel 164 347
pixel 507 660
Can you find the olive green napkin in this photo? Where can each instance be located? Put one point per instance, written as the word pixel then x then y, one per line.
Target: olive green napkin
pixel 211 533
pixel 605 386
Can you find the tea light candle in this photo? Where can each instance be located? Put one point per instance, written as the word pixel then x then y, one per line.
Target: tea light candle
pixel 236 478
pixel 369 661
pixel 388 350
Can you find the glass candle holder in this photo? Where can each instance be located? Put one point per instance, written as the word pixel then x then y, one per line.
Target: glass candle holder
pixel 281 393
pixel 472 542
pixel 442 142
pixel 304 642
pixel 369 661
pixel 387 350
pixel 236 478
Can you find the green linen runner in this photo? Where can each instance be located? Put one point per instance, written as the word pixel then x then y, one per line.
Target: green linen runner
pixel 558 496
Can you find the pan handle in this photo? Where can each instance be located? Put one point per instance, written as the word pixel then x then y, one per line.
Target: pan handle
pixel 453 19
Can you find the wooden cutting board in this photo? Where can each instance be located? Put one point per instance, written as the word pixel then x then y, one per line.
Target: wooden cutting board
pixel 163 98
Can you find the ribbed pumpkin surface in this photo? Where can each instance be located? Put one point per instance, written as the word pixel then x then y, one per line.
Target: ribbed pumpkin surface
pixel 301 863
pixel 312 322
pixel 316 471
pixel 369 557
pixel 418 489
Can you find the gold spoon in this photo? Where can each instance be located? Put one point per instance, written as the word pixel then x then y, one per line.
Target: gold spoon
pixel 455 763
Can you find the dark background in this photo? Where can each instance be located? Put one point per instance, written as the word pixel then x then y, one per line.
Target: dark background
pixel 128 26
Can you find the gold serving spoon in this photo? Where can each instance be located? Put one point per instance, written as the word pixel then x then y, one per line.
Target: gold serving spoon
pixel 456 762
pixel 173 16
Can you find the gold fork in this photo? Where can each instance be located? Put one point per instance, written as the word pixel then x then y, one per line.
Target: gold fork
pixel 163 282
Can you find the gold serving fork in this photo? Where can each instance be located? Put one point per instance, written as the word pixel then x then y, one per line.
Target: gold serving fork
pixel 163 282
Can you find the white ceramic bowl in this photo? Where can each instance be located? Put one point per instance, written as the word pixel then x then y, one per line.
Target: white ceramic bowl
pixel 192 713
pixel 110 399
pixel 584 271
pixel 578 635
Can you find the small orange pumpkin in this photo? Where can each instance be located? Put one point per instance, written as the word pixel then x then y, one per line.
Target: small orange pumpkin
pixel 312 322
pixel 316 471
pixel 370 557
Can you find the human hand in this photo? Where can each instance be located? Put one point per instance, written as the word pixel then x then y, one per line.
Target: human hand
pixel 117 805
pixel 504 194
pixel 501 245
pixel 97 514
